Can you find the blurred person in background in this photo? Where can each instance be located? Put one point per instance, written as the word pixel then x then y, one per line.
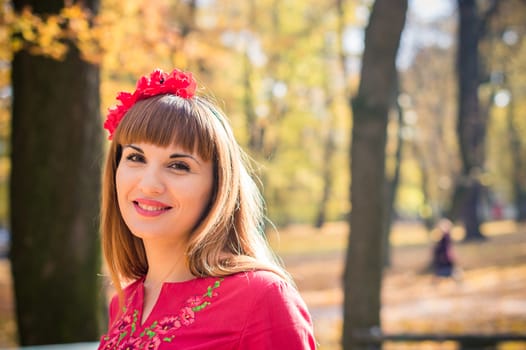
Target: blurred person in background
pixel 444 263
pixel 183 231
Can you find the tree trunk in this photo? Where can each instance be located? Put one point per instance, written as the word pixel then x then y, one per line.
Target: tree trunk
pixel 519 166
pixel 364 260
pixel 471 127
pixel 329 148
pixel 54 195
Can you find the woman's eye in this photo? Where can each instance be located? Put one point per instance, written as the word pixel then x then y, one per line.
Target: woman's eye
pixel 180 166
pixel 135 157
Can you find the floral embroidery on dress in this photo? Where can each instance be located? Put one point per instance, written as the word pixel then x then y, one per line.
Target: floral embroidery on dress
pixel 123 334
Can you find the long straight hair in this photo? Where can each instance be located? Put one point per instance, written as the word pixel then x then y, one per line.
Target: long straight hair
pixel 230 236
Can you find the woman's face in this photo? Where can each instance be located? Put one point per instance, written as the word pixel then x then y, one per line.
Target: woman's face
pixel 162 191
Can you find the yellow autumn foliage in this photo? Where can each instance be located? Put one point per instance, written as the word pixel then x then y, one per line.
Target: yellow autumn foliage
pixel 49 35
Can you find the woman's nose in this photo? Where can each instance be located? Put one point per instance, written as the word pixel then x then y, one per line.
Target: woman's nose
pixel 151 182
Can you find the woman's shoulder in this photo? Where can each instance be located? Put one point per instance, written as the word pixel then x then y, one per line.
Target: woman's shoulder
pixel 276 315
pixel 262 288
pixel 257 292
pixel 257 280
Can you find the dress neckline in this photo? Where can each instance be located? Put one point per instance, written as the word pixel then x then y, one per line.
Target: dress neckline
pixel 139 302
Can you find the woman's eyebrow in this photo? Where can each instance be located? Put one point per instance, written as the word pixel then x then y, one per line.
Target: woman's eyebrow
pixel 184 155
pixel 138 149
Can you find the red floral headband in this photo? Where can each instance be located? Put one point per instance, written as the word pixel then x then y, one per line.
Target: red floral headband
pixel 179 83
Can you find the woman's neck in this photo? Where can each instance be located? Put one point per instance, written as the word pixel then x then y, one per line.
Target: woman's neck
pixel 166 263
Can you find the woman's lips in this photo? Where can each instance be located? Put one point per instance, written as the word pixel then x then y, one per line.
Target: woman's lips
pixel 149 207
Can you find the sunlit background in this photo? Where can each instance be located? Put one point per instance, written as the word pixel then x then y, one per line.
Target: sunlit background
pixel 284 72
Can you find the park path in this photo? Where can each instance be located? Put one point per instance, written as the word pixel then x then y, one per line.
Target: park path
pixel 490 297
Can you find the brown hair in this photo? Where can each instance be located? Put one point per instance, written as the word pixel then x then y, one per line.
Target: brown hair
pixel 230 236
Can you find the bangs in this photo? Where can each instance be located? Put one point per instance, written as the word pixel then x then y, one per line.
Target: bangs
pixel 168 120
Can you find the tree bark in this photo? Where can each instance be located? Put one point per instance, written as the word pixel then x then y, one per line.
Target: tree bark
pixel 471 125
pixel 54 194
pixel 364 260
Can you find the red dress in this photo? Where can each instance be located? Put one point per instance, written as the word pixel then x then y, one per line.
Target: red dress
pixel 251 310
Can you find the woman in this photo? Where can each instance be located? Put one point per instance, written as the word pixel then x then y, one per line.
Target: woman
pixel 182 224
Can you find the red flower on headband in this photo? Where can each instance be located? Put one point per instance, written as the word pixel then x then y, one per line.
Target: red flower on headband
pixel 178 83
